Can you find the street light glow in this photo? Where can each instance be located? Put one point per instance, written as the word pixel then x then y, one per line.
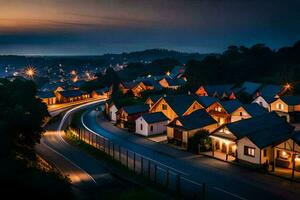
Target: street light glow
pixel 30 72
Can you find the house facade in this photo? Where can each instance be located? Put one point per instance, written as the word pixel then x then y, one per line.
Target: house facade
pixel 182 128
pixel 287 107
pixel 151 124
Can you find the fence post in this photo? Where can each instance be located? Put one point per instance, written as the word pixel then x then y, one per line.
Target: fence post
pixel 120 154
pixel 142 165
pixel 113 150
pixel 178 183
pixel 167 181
pixel 155 170
pixel 134 162
pixel 203 190
pixel 127 158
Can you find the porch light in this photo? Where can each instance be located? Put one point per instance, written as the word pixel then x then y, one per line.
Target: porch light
pixel 284 154
pixel 297 158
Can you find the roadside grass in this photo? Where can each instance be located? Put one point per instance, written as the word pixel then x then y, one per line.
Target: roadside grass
pixel 143 189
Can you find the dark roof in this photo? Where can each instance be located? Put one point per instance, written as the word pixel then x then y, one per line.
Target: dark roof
pixel 175 81
pixel 206 101
pixel 155 98
pixel 180 103
pixel 129 85
pixel 291 100
pixel 268 99
pixel 220 89
pixel 231 105
pixel 296 137
pixel 263 130
pixel 154 117
pixel 177 70
pixel 103 90
pixel 136 109
pixel 248 87
pixel 78 83
pixel 270 90
pixel 71 93
pixel 195 120
pixel 254 109
pixel 44 95
pixel 152 82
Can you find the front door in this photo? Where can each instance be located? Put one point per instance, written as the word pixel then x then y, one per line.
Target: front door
pixel 178 135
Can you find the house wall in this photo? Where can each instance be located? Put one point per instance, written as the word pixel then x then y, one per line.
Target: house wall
pixel 195 106
pixel 239 114
pixel 289 145
pixel 240 149
pixel 261 101
pixel 164 83
pixel 168 112
pixel 170 132
pixel 158 127
pixel 284 107
pixel 201 91
pixel 112 113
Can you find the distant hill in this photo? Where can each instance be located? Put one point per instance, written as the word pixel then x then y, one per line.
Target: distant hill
pixel 97 61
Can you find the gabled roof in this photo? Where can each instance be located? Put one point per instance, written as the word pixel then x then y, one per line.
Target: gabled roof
pixel 135 109
pixel 151 118
pixel 44 95
pixel 270 90
pixel 291 100
pixel 71 93
pixel 206 101
pixel 254 109
pixel 263 130
pixel 180 103
pixel 197 119
pixel 129 85
pixel 152 82
pixel 220 89
pixel 154 98
pixel 177 70
pixel 231 105
pixel 248 87
pixel 268 99
pixel 78 83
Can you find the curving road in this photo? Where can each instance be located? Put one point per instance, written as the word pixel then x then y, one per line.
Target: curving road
pixel 83 170
pixel 224 180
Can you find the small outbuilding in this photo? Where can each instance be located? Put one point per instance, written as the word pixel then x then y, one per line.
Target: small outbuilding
pixel 151 124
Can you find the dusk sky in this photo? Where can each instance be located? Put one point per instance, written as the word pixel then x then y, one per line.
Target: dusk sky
pixel 73 27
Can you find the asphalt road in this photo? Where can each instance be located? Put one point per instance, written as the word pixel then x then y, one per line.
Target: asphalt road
pixel 224 180
pixel 84 171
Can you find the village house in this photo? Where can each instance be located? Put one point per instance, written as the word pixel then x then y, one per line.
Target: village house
pixel 176 105
pixel 101 93
pixel 127 115
pixel 48 98
pixel 264 101
pixel 251 140
pixel 71 96
pixel 151 124
pixel 287 154
pixel 176 72
pixel 111 109
pixel 217 91
pixel 246 111
pixel 287 107
pixel 206 101
pixel 221 111
pixel 170 83
pixel 247 88
pixel 150 101
pixel 126 86
pixel 182 128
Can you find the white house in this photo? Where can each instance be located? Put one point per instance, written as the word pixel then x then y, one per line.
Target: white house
pixel 151 124
pixel 264 101
pixel 251 140
pixel 112 110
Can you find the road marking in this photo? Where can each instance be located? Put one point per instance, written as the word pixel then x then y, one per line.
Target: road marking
pixel 70 161
pixel 234 195
pixel 178 171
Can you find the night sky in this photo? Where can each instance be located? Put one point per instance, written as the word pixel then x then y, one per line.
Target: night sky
pixel 73 27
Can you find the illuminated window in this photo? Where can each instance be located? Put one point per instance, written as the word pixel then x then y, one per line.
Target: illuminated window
pixel 279 106
pixel 249 151
pixel 218 109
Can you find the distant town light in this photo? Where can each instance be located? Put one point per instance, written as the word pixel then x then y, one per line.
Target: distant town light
pixel 168 73
pixel 30 72
pixel 73 72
